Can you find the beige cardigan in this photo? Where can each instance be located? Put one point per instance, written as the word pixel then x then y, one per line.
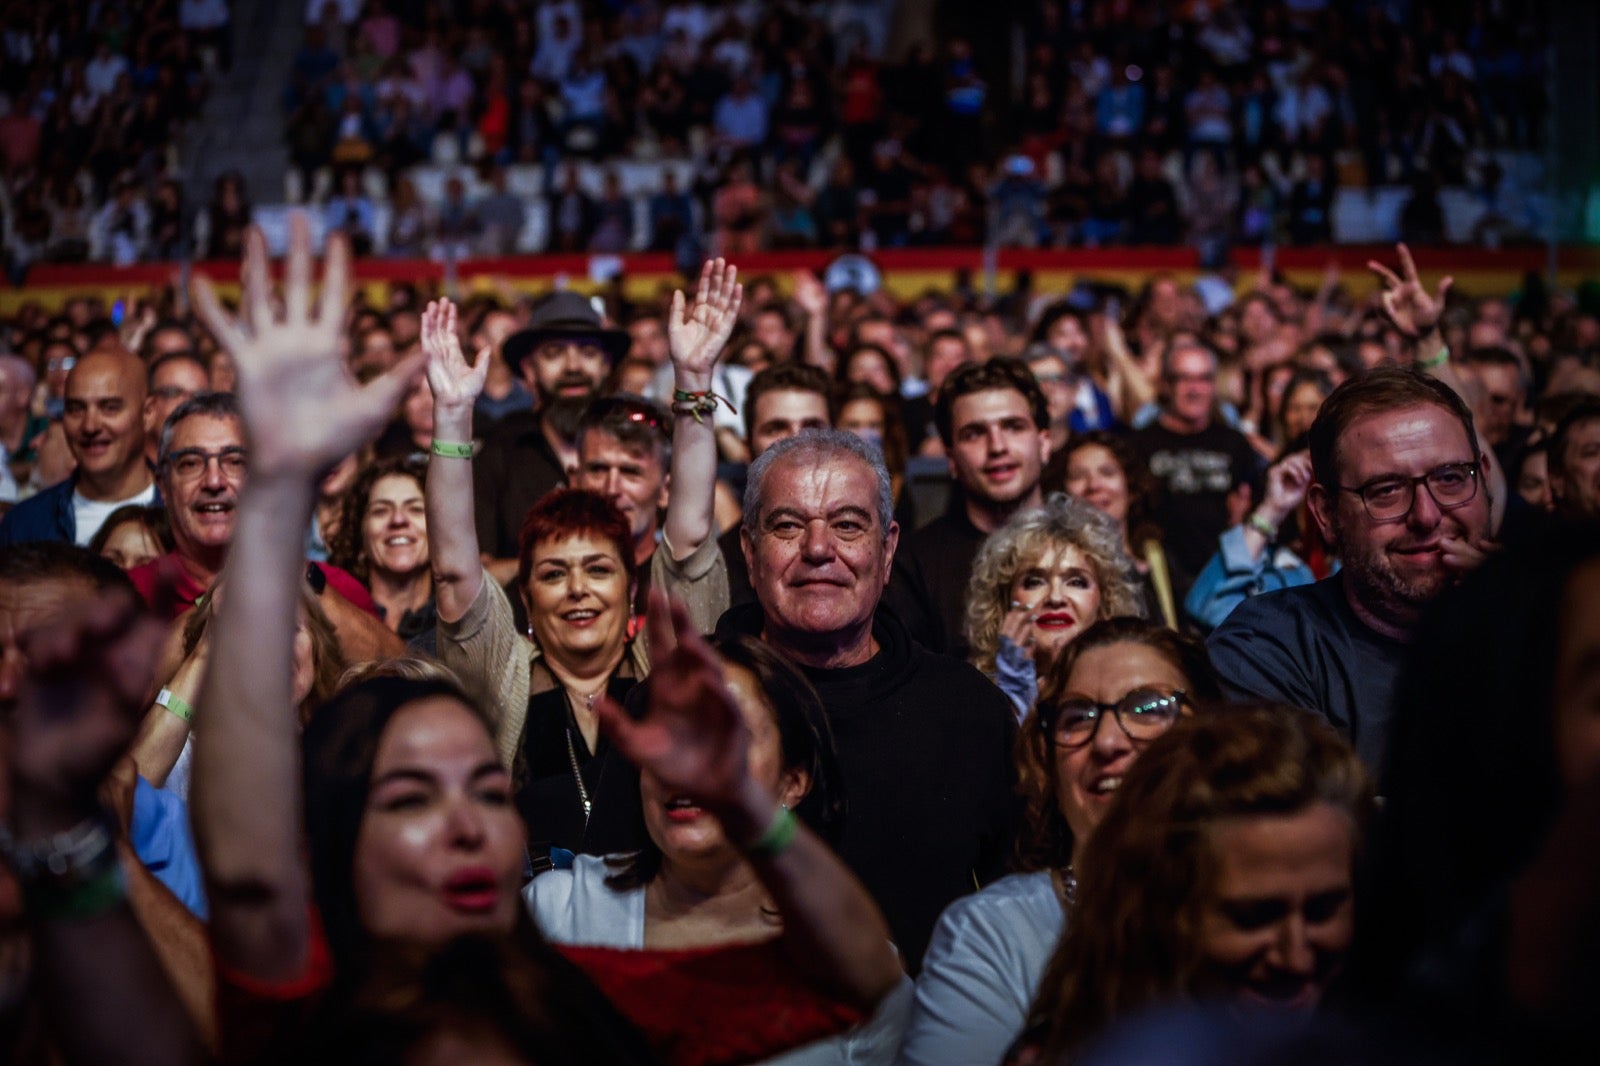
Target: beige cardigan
pixel 503 669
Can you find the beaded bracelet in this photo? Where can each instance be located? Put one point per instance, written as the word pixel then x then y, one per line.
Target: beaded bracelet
pixel 698 404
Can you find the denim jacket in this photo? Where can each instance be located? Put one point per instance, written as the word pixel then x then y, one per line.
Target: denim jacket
pixel 1230 577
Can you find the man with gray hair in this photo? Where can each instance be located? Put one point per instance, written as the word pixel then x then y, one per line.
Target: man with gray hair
pixel 924 740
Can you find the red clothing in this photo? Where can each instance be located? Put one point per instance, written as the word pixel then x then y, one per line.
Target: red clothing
pixel 187 588
pixel 714 1006
pixel 703 1007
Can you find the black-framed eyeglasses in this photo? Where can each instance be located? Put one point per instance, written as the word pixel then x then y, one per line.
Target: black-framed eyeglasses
pixel 187 464
pixel 1144 714
pixel 1392 497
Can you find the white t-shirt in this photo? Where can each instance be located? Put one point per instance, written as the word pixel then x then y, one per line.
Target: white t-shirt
pixel 89 515
pixel 577 907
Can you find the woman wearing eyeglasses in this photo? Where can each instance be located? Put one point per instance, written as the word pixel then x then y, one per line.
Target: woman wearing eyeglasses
pixel 1120 685
pixel 1037 583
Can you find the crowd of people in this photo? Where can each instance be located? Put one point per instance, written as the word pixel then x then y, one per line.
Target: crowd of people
pixel 556 680
pixel 95 98
pixel 1206 124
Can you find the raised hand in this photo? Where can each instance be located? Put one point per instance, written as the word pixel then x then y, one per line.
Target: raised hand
pixel 1288 481
pixel 1413 310
pixel 303 411
pixel 692 736
pixel 88 671
pixel 455 382
pixel 809 293
pixel 696 334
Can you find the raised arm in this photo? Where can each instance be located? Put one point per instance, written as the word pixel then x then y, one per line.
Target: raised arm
pixel 1415 312
pixel 1130 387
pixel 302 412
pixel 696 335
pixel 813 300
pixel 72 721
pixel 452 532
pixel 694 739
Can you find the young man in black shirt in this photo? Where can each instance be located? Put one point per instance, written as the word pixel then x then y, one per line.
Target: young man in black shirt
pixel 994 421
pixel 1196 460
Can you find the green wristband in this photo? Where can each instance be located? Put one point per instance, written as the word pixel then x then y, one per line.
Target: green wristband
pixel 779 835
pixel 90 898
pixel 1437 361
pixel 451 449
pixel 176 704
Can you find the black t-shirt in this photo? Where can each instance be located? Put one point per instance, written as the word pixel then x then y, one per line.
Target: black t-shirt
pixel 1306 647
pixel 1194 473
pixel 511 472
pixel 925 749
pixel 928 588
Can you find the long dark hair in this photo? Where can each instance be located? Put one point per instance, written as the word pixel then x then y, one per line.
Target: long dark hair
pixel 805 741
pixel 517 987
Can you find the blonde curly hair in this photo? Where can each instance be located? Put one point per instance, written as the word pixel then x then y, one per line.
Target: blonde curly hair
pixel 1061 521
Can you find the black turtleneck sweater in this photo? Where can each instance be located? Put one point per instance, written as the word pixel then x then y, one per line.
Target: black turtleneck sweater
pixel 925 746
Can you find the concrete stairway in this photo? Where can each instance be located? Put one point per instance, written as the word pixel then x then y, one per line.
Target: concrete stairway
pixel 242 126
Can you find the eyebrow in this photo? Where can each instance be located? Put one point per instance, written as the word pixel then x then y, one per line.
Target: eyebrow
pixel 596 557
pixel 426 777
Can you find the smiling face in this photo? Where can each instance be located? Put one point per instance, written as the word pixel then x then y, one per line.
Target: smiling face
pixel 1095 476
pixel 1191 379
pixel 818 557
pixel 104 419
pixel 394 527
pixel 684 832
pixel 1277 925
pixel 996 452
pixel 1394 568
pixel 1087 776
pixel 202 507
pixel 578 596
pixel 1061 590
pixel 439 852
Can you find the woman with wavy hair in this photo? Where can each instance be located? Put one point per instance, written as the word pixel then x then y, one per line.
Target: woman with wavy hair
pixel 989 950
pixel 1223 872
pixel 1037 583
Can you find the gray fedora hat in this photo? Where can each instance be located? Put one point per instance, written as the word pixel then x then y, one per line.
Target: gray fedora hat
pixel 562 315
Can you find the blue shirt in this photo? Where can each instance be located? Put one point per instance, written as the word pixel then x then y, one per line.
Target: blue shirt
pixel 159 833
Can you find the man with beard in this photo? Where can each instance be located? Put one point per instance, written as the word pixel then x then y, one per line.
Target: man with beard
pixel 1400 493
pixel 563 356
pixel 994 422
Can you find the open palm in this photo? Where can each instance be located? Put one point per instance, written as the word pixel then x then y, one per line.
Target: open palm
pixel 303 411
pixel 696 334
pixel 455 382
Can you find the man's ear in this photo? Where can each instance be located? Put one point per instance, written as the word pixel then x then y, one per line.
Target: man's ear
pixel 1044 447
pixel 665 495
pixel 890 543
pixel 1323 505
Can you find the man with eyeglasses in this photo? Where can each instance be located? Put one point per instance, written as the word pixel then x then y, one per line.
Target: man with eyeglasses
pixel 1399 492
pixel 202 465
pixel 1206 470
pixel 102 419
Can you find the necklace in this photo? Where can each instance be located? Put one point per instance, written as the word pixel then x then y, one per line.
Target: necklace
pixel 572 759
pixel 1066 885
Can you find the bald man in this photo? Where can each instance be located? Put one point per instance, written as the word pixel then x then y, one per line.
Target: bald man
pixel 104 422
